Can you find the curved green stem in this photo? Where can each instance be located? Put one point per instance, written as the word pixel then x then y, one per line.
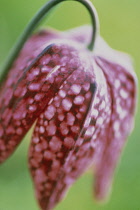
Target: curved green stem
pixel 35 21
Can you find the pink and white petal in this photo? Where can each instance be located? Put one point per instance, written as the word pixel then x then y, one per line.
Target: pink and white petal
pixel 123 88
pixel 57 131
pixel 23 100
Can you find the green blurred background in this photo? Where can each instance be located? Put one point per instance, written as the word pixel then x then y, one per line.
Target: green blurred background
pixel 120 26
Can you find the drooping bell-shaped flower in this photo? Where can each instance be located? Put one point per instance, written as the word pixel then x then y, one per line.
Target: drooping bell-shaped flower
pixel 81 102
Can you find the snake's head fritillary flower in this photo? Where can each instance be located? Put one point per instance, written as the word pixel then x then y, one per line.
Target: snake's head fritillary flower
pixel 81 102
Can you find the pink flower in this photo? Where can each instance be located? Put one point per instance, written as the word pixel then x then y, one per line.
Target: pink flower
pixel 82 105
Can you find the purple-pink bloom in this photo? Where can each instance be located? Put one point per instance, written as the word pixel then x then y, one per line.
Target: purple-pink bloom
pixel 82 104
